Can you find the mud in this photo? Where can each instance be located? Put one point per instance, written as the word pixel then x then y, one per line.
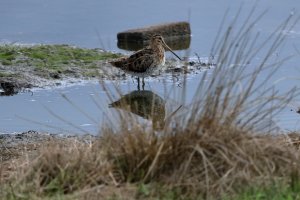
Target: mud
pixel 22 68
pixel 16 145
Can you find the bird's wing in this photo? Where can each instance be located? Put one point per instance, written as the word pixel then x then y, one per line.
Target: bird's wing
pixel 139 61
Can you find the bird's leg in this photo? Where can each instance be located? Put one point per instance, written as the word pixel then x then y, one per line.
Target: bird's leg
pixel 143 83
pixel 138 80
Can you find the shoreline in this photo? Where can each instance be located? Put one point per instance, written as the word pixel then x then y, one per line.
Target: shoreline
pixel 39 66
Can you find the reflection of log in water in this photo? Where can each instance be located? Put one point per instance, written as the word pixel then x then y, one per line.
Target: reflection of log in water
pixel 144 103
pixel 177 35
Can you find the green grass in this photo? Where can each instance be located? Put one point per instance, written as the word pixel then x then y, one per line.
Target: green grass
pixel 52 57
pixel 279 190
pixel 273 191
pixel 7 55
pixel 6 74
pixel 56 56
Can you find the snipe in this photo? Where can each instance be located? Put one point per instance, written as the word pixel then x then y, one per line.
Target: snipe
pixel 145 61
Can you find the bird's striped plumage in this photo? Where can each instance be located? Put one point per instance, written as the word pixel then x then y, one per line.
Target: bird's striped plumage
pixel 145 61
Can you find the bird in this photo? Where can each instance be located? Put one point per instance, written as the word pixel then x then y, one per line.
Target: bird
pixel 145 61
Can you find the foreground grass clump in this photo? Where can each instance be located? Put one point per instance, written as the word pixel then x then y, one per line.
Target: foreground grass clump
pixel 218 147
pixel 202 164
pixel 184 164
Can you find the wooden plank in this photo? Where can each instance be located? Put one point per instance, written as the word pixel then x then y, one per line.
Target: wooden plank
pixel 175 43
pixel 166 30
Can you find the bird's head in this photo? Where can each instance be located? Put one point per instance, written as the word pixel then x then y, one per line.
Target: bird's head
pixel 158 39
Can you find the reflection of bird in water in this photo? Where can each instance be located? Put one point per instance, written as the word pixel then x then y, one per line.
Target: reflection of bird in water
pixel 144 103
pixel 145 61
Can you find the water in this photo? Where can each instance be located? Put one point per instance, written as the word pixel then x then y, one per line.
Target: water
pixel 95 24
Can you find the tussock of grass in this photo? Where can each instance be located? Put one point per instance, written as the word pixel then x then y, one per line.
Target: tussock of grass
pixel 206 163
pixel 211 149
pixel 184 163
pixel 65 167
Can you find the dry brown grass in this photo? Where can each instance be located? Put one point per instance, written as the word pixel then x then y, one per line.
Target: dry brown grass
pixel 206 164
pixel 210 149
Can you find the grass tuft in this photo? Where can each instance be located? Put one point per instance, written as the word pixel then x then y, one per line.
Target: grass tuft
pixel 66 167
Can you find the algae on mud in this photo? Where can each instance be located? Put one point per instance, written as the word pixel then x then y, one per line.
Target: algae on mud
pixel 37 65
pixel 24 67
pixel 55 57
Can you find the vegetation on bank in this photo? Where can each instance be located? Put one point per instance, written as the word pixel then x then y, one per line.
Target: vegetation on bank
pixel 217 147
pixel 135 165
pixel 52 58
pixel 6 74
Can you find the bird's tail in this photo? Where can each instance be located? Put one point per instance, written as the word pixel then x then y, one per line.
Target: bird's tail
pixel 119 63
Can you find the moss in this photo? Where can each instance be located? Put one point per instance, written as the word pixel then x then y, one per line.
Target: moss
pixel 92 73
pixel 7 53
pixel 6 74
pixel 54 58
pixel 6 62
pixel 277 189
pixel 92 66
pixel 58 56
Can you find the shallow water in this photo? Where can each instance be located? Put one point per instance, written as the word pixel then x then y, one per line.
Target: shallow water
pixel 95 24
pixel 78 108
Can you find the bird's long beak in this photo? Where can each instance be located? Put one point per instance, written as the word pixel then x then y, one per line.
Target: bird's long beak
pixel 171 50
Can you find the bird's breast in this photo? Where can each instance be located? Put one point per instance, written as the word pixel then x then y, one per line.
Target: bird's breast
pixel 163 60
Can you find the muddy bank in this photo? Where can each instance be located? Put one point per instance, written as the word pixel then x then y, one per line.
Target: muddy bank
pixel 32 137
pixel 24 67
pixel 13 145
